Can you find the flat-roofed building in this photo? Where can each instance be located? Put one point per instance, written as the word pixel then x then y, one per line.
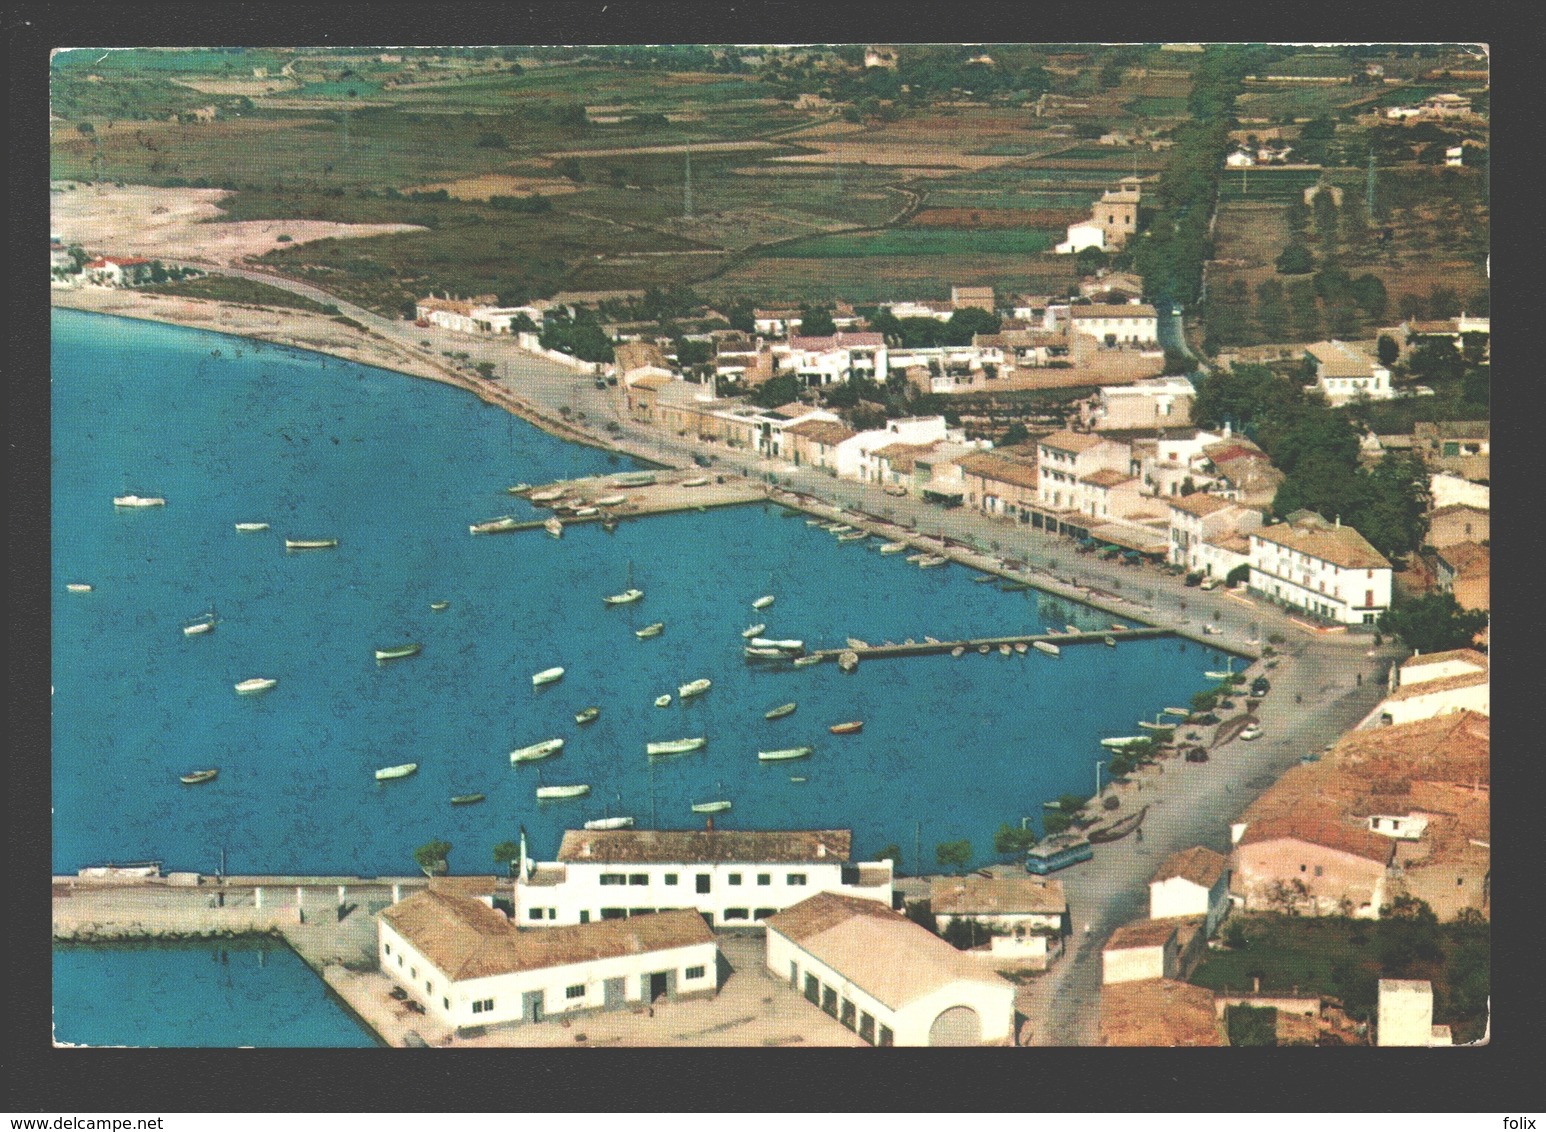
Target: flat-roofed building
pixel 887 979
pixel 468 965
pixel 1159 1012
pixel 1152 949
pixel 1406 1015
pixel 1154 402
pixel 733 877
pixel 1027 916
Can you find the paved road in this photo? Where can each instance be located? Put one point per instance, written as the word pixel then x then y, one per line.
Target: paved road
pixel 1191 804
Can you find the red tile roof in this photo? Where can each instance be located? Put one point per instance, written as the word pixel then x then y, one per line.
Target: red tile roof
pixel 1199 864
pixel 1328 833
pixel 687 846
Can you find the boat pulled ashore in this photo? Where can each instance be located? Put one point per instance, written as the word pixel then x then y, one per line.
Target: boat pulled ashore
pixel 676 746
pixel 536 751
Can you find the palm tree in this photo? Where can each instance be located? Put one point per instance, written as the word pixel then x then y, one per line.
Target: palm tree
pixel 431 857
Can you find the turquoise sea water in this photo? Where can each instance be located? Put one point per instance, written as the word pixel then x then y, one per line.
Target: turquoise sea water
pixel 395 468
pixel 233 993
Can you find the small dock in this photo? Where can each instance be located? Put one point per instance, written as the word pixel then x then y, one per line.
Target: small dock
pixel 666 496
pixel 975 644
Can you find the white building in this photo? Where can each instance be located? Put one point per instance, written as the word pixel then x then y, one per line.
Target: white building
pixel 887 979
pixel 855 457
pixel 1085 234
pixel 1117 324
pixel 1406 1015
pixel 735 878
pixel 468 965
pixel 1197 518
pixel 1066 459
pixel 776 323
pixel 1193 882
pixel 1150 949
pixel 1448 490
pixel 471 316
pixel 924 308
pixel 1324 568
pixel 1438 684
pixel 1343 372
pixel 833 358
pixel 1027 916
pixel 1154 402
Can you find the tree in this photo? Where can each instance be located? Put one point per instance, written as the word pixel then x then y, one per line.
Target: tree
pixel 776 391
pixel 1010 840
pixel 816 322
pixel 1388 350
pixel 1089 261
pixel 1016 433
pixel 1055 821
pixel 1368 291
pixel 86 128
pixel 1443 302
pixel 965 323
pixel 1297 216
pixel 892 853
pixel 1432 623
pixel 1354 221
pixel 431 856
pixel 1271 310
pixel 953 854
pixel 1295 260
pixel 508 854
pixel 963 933
pixel 1411 307
pixel 1252 1025
pixel 1436 360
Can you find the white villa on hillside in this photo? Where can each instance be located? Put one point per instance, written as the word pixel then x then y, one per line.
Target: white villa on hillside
pixel 1343 372
pixel 1324 568
pixel 733 877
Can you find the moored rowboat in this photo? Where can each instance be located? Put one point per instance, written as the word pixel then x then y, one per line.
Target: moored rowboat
pixel 694 688
pixel 198 776
pixel 310 543
pixel 465 799
pixel 398 652
pixel 848 728
pixel 763 602
pixel 402 771
pixel 256 684
pixel 780 711
pixel 649 631
pixel 710 807
pixel 138 501
pixel 806 661
pixel 248 528
pixel 785 753
pixel 1047 647
pixel 753 630
pixel 574 791
pixel 493 526
pixel 675 746
pixel 624 598
pixel 587 715
pixel 78 587
pixel 536 751
pixel 547 676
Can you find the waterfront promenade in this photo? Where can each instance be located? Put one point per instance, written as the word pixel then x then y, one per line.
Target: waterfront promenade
pixel 1323 683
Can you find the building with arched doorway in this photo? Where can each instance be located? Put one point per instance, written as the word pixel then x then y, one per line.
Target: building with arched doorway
pixel 889 980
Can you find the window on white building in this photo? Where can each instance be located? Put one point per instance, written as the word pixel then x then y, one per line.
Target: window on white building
pixel 576 991
pixel 693 973
pixel 638 878
pixel 671 878
pixel 613 878
pixel 795 879
pixel 734 878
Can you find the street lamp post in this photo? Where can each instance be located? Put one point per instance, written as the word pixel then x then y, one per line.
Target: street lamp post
pixel 1098 764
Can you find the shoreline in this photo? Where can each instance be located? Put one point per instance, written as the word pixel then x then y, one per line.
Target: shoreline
pixel 287 327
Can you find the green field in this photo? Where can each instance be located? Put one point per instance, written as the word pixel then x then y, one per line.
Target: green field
pixel 1154 107
pixel 229 289
pixel 880 279
pixel 917 242
pixel 1279 185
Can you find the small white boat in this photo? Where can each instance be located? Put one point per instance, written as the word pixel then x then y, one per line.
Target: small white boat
pixel 790 645
pixel 440 606
pixel 1218 675
pixel 1047 647
pixel 780 711
pixel 547 676
pixel 586 512
pixel 806 661
pixel 675 746
pixel 848 661
pixel 796 778
pixel 1072 629
pixel 785 753
pixel 815 522
pixel 612 501
pixel 1181 711
pixel 78 587
pixel 138 501
pixel 694 688
pixel 587 715
pixel 663 701
pixel 959 650
pixel 696 481
pixel 248 528
pixel 710 807
pixel 854 536
pixel 610 823
pixel 493 526
pixel 624 598
pixel 398 652
pixel 256 684
pixel 634 479
pixel 837 528
pixel 518 488
pixel 195 777
pixel 1118 742
pixel 536 751
pixel 401 771
pixel 892 547
pixel 202 625
pixel 1021 647
pixel 928 640
pixel 852 727
pixel 546 496
pixel 1004 650
pixel 1119 627
pixel 762 653
pixel 310 543
pixel 575 791
pixel 1111 642
pixel 932 560
pixel 918 557
pixel 753 630
pixel 553 527
pixel 983 650
pixel 1149 725
pixel 763 602
pixel 649 631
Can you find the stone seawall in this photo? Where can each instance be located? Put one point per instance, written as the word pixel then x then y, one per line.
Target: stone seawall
pixel 171 924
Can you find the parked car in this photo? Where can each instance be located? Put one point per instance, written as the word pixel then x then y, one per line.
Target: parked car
pixel 1251 731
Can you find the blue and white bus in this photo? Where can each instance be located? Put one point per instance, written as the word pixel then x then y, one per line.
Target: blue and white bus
pixel 1057 853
